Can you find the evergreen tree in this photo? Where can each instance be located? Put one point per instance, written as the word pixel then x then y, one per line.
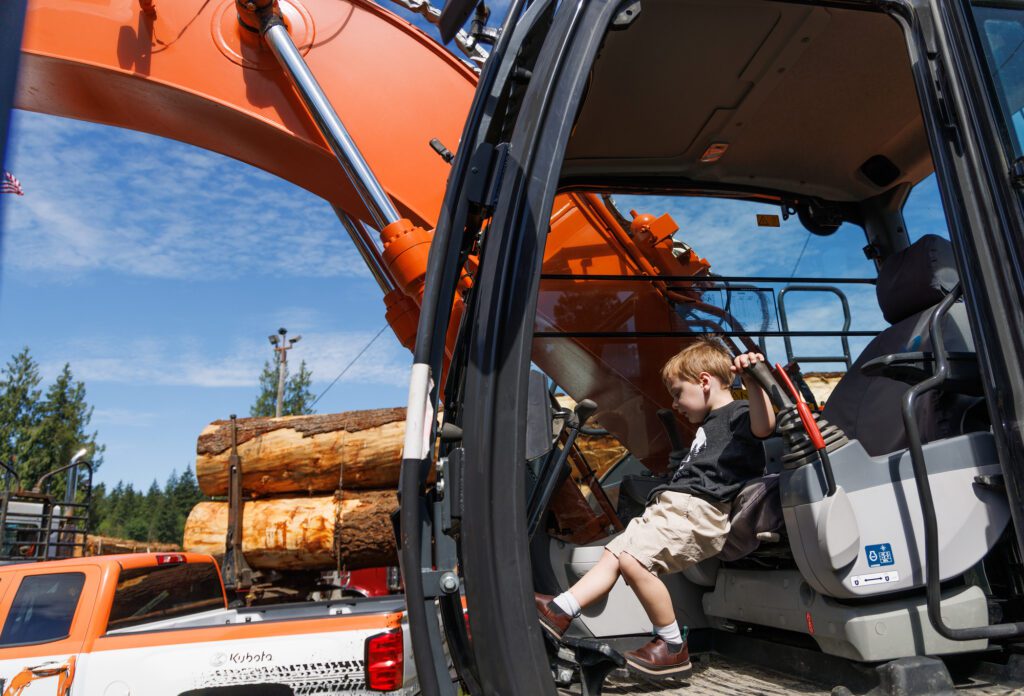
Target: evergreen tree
pixel 136 514
pixel 297 400
pixel 184 496
pixel 266 402
pixel 112 523
pixel 100 508
pixel 61 430
pixel 153 503
pixel 19 412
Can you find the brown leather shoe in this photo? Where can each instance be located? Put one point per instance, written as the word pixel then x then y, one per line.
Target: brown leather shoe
pixel 552 618
pixel 659 659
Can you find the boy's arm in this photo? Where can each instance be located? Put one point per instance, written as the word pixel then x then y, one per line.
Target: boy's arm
pixel 762 416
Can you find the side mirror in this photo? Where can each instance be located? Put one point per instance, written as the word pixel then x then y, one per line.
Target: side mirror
pixel 539 416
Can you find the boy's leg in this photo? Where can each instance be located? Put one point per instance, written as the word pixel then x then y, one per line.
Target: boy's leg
pixel 649 589
pixel 685 530
pixel 598 581
pixel 556 613
pixel 667 655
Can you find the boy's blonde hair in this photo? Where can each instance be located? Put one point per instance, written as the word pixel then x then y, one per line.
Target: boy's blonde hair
pixel 706 354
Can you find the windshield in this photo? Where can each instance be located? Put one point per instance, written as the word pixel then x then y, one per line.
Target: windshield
pixel 1001 33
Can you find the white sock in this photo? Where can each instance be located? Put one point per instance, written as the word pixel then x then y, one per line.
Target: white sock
pixel 669 633
pixel 567 603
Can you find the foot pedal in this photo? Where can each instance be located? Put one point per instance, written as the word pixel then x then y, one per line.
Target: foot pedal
pixel 596 661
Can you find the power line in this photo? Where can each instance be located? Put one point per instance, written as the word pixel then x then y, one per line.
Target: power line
pixel 342 373
pixel 797 264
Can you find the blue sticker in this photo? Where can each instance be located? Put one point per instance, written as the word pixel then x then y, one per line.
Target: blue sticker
pixel 879 555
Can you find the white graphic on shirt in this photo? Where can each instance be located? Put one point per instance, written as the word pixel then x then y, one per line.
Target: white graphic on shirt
pixel 700 441
pixel 699 444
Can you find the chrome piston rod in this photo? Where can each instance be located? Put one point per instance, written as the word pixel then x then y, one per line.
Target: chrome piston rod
pixel 366 245
pixel 376 200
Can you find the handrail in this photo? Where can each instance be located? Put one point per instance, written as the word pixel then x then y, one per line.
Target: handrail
pixel 843 336
pixel 932 575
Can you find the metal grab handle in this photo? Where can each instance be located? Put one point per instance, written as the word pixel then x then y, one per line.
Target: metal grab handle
pixel 843 334
pixel 924 490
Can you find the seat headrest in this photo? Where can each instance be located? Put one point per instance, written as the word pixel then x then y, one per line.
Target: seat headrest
pixel 912 280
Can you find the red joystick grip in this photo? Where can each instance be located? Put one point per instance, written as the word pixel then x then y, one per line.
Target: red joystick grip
pixel 810 425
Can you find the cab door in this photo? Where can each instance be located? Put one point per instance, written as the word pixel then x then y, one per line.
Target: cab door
pixel 45 621
pixel 968 58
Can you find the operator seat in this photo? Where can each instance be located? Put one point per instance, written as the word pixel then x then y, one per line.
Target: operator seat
pixel 910 284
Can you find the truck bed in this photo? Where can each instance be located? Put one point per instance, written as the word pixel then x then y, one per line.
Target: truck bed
pixel 275 612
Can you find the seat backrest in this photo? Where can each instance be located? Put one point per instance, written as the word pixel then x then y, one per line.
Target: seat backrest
pixel 910 284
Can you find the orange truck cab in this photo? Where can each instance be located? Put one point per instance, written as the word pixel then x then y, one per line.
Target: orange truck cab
pixel 159 623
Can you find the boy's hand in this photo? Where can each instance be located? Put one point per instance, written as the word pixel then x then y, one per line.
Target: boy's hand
pixel 742 362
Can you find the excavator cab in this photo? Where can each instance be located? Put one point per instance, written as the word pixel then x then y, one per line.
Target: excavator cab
pixel 886 528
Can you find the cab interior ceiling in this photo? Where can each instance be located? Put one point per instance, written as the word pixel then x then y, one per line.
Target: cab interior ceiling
pixel 813 102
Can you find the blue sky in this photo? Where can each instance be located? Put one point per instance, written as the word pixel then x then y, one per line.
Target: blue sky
pixel 130 258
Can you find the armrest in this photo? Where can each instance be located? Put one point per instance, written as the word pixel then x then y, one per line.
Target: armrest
pixel 914 367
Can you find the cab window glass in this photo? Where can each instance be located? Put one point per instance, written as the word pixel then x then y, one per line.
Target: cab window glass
pixel 923 212
pixel 43 609
pixel 164 592
pixel 1001 33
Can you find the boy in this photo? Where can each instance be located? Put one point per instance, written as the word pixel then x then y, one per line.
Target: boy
pixel 687 519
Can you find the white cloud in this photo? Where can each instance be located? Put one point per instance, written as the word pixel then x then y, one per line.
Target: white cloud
pixel 123 417
pixel 191 362
pixel 105 199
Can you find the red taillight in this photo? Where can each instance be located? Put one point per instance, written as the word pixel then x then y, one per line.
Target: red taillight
pixel 169 558
pixel 385 658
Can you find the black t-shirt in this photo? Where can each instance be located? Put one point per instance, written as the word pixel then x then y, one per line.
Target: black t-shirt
pixel 724 455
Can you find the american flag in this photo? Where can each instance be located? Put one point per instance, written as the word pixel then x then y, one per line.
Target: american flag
pixel 11 185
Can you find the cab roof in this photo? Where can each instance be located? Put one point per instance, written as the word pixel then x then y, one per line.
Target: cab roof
pixel 809 101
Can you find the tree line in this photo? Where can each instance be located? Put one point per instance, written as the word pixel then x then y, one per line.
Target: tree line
pixel 157 514
pixel 41 428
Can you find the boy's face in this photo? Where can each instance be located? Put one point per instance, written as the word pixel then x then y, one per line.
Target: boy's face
pixel 690 398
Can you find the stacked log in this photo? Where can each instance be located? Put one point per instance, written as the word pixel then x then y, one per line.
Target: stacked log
pixel 355 449
pixel 352 528
pixel 97 545
pixel 320 490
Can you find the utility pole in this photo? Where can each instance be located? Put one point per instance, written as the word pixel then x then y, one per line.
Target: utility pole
pixel 281 347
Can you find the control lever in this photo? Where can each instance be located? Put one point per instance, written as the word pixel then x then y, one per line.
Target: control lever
pixel 763 374
pixel 813 431
pixel 787 404
pixel 582 413
pixel 550 475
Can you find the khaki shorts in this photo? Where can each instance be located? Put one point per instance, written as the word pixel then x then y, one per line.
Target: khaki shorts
pixel 676 531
